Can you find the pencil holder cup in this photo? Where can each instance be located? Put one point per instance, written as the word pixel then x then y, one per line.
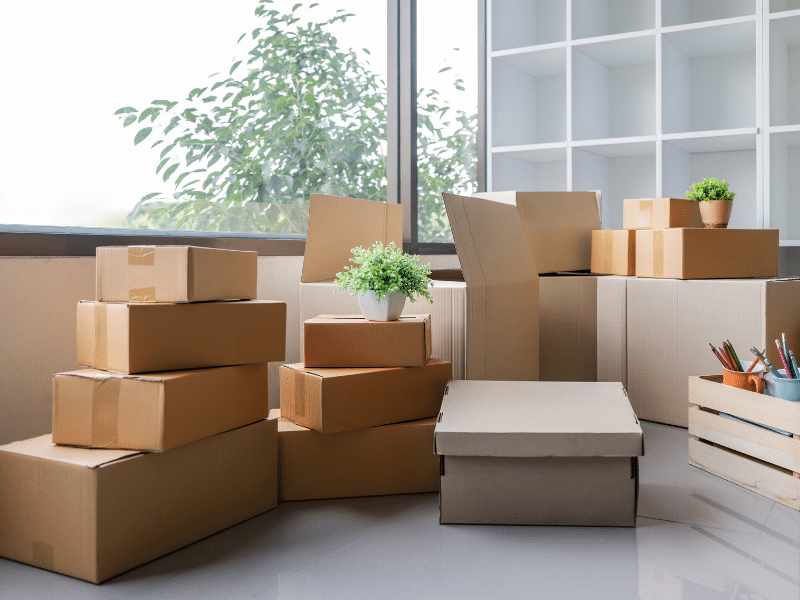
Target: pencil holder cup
pixel 786 389
pixel 751 382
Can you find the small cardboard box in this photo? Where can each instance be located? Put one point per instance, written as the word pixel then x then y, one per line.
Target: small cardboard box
pixel 660 213
pixel 93 514
pixel 614 252
pixel 149 337
pixel 352 341
pixel 706 253
pixel 374 461
pixel 157 411
pixel 331 400
pixel 538 453
pixel 174 274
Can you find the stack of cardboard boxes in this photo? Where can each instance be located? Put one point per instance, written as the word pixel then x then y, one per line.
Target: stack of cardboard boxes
pixel 165 438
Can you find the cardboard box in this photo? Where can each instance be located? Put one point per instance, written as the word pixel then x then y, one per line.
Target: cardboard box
pixel 614 252
pixel 671 322
pixel 558 226
pixel 374 461
pixel 331 400
pixel 174 274
pixel 349 341
pixel 93 514
pixel 157 411
pixel 538 453
pixel 612 329
pixel 707 253
pixel 660 213
pixel 149 337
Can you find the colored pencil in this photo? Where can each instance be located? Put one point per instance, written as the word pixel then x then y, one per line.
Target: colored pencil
pixel 767 364
pixel 793 362
pixel 719 356
pixel 750 368
pixel 735 358
pixel 786 350
pixel 732 360
pixel 728 362
pixel 783 360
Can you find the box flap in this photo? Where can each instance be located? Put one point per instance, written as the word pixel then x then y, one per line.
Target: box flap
pixel 329 373
pixel 362 318
pixel 336 225
pixel 43 447
pixel 537 418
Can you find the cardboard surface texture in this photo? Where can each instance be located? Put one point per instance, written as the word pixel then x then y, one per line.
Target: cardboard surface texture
pixel 174 274
pixel 707 253
pixel 157 411
pixel 614 252
pixel 558 226
pixel 660 213
pixel 149 337
pixel 612 329
pixel 374 461
pixel 93 514
pixel 332 400
pixel 538 453
pixel 350 341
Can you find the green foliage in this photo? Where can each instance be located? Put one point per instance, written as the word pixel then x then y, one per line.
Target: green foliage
pixel 299 115
pixel 383 270
pixel 710 189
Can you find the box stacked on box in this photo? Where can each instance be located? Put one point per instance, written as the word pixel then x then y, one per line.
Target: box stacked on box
pixel 183 381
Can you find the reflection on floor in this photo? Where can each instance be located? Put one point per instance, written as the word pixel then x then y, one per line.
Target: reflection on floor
pixel 698 537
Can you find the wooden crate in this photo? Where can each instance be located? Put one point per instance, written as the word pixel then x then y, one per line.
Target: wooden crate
pixel 760 460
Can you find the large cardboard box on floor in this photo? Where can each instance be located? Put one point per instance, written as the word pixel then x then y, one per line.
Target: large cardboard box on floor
pixel 174 274
pixel 612 329
pixel 660 213
pixel 331 400
pixel 538 453
pixel 614 252
pixel 147 337
pixel 373 461
pixel 156 411
pixel 93 514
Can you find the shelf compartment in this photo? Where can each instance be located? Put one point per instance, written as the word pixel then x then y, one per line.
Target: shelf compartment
pixel 620 147
pixel 613 88
pixel 784 183
pixel 784 70
pixel 778 6
pixel 521 23
pixel 680 12
pixel 717 38
pixel 714 141
pixel 593 18
pixel 538 168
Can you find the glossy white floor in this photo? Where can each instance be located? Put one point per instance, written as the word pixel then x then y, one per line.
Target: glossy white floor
pixel 698 537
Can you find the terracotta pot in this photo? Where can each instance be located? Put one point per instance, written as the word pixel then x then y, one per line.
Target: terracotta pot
pixel 715 213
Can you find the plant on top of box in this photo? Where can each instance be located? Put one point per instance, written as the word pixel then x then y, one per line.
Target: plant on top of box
pixel 716 202
pixel 384 272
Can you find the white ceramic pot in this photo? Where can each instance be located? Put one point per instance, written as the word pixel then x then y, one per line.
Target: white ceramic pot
pixel 388 309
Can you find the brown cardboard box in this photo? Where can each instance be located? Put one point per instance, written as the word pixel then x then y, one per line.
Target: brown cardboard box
pixel 174 274
pixel 93 514
pixel 157 411
pixel 331 400
pixel 549 453
pixel 706 253
pixel 660 213
pixel 374 461
pixel 348 341
pixel 558 226
pixel 612 329
pixel 671 322
pixel 614 251
pixel 149 337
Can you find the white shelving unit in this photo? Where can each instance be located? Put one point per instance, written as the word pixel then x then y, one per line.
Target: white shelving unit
pixel 640 98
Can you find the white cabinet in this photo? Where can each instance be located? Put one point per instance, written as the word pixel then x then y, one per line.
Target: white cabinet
pixel 640 98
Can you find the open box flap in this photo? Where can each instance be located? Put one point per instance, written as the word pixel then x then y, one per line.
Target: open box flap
pixel 336 225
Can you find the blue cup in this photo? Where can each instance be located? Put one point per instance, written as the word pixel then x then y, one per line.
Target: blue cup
pixel 786 389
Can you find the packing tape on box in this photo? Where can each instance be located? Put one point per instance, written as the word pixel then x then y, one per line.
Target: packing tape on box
pixel 105 411
pixel 42 555
pixel 100 336
pixel 144 256
pixel 645 214
pixel 147 294
pixel 658 254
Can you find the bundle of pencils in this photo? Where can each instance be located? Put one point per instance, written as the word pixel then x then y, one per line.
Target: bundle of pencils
pixel 787 359
pixel 728 357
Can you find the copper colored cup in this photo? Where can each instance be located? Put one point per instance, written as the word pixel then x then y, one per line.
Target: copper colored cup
pixel 751 382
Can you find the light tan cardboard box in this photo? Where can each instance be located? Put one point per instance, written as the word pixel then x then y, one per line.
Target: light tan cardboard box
pixel 156 411
pixel 671 322
pixel 706 253
pixel 93 514
pixel 660 213
pixel 614 252
pixel 612 329
pixel 348 341
pixel 174 274
pixel 373 461
pixel 331 400
pixel 538 453
pixel 149 337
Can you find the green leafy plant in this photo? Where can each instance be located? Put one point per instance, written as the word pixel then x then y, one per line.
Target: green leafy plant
pixel 710 189
pixel 383 270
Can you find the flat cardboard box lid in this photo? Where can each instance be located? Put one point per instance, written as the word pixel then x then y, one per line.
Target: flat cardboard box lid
pixel 44 448
pixel 536 419
pixel 336 225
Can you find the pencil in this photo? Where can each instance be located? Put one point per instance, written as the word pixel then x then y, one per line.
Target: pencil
pixel 735 358
pixel 783 360
pixel 727 359
pixel 731 360
pixel 786 354
pixel 767 364
pixel 793 362
pixel 717 354
pixel 750 368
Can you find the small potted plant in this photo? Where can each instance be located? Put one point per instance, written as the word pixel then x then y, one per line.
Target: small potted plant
pixel 716 202
pixel 382 278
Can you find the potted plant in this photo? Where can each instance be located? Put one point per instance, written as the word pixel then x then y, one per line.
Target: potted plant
pixel 382 278
pixel 716 202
